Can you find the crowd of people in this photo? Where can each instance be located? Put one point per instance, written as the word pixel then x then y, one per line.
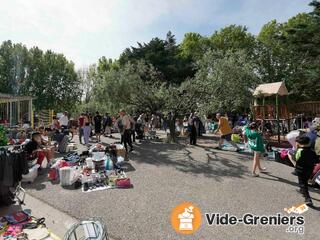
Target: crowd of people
pixel 91 127
pixel 305 151
pixel 131 127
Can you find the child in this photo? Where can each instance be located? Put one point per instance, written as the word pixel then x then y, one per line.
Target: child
pixel 255 142
pixel 306 160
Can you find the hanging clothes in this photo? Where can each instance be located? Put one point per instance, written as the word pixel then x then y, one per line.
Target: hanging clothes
pixel 13 164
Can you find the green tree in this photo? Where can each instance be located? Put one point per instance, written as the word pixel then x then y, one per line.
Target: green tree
pixel 164 55
pixel 48 76
pixel 193 46
pixel 224 81
pixel 135 87
pixel 13 62
pixel 52 79
pixel 233 38
pixel 272 57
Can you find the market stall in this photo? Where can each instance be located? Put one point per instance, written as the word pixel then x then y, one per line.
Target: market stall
pixel 98 169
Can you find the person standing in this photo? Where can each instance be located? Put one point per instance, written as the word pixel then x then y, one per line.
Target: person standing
pixel 86 133
pixel 225 132
pixel 193 129
pixel 55 123
pixel 86 129
pixel 197 121
pixel 64 120
pixel 153 122
pixel 165 124
pixel 126 123
pixel 107 123
pixel 81 123
pixel 133 121
pixel 255 142
pixel 97 125
pixel 306 160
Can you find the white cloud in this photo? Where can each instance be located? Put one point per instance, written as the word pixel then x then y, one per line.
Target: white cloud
pixel 84 30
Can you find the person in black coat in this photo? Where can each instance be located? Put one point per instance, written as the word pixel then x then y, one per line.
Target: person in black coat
pixel 192 129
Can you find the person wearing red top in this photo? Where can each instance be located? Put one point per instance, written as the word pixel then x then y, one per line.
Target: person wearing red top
pixel 81 121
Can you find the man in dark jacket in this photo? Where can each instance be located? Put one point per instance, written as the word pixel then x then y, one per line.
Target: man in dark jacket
pixel 306 160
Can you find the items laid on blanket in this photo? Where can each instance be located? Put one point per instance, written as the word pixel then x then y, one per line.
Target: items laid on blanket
pixel 21 225
pixel 100 168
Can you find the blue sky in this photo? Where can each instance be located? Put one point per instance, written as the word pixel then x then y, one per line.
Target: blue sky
pixel 85 30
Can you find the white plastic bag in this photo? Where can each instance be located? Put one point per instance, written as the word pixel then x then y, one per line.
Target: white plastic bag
pixel 291 137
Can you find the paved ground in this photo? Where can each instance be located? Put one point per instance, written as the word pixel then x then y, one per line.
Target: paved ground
pixel 164 175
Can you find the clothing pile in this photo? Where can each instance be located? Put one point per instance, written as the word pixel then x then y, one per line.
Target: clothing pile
pixel 100 168
pixel 21 225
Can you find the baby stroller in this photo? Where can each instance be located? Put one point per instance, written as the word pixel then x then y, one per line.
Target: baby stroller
pixel 139 131
pixel 152 135
pixel 93 229
pixel 20 194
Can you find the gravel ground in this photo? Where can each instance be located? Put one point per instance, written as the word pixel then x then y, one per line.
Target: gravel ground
pixel 165 175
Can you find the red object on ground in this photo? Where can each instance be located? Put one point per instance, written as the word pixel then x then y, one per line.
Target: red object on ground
pixel 316 169
pixel 53 174
pixel 41 155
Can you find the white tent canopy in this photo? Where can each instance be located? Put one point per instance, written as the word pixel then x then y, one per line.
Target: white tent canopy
pixel 269 89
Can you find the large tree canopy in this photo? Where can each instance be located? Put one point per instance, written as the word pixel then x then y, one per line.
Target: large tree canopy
pixel 224 81
pixel 289 52
pixel 135 86
pixel 164 55
pixel 207 73
pixel 48 76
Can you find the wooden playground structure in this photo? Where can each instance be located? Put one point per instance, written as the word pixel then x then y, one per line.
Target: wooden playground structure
pixel 271 106
pixel 15 109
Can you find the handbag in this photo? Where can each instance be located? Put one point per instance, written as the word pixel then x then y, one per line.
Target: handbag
pixel 123 183
pixel 17 217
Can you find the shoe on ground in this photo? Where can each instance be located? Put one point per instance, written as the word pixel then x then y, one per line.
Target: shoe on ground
pixel 131 150
pixel 263 170
pixel 309 202
pixel 294 173
pixel 254 175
